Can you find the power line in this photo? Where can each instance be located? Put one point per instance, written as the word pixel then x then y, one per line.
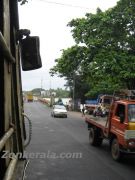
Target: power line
pixel 63 4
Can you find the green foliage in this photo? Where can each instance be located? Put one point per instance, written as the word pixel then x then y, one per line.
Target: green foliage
pixel 69 62
pixel 61 93
pixel 37 91
pixel 104 55
pixel 78 86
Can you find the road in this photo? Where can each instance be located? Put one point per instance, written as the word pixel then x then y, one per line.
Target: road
pixel 61 150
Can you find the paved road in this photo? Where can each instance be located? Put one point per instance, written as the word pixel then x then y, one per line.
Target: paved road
pixel 62 152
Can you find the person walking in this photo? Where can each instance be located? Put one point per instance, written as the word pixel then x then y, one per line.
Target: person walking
pixel 82 108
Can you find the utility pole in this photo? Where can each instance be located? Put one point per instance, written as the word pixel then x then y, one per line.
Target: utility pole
pixel 74 91
pixel 41 86
pixel 51 101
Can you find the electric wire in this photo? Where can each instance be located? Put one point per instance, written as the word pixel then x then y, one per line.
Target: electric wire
pixel 64 4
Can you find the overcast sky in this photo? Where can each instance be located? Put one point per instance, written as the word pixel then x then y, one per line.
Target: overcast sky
pixel 48 19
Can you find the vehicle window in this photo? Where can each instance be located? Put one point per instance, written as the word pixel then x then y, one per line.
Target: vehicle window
pixel 131 112
pixel 107 101
pixel 100 101
pixel 120 111
pixel 60 107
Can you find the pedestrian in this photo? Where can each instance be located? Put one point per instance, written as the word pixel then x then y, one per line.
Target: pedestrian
pixel 82 108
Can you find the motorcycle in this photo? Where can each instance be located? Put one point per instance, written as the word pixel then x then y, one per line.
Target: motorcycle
pixel 100 112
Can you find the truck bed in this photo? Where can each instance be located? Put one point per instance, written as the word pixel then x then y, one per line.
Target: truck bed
pixel 98 121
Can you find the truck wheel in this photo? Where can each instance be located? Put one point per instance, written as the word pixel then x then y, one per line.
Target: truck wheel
pixel 115 150
pixel 94 137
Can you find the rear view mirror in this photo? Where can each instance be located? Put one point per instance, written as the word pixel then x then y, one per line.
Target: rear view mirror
pixel 30 55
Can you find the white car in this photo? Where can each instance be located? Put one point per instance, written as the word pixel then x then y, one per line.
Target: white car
pixel 59 111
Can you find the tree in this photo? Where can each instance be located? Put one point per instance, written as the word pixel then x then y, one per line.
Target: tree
pixel 69 65
pixel 104 55
pixel 70 62
pixel 61 93
pixel 109 37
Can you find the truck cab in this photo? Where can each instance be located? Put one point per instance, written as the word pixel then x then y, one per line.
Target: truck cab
pixel 123 125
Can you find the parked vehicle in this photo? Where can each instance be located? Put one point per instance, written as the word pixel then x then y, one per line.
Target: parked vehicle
pixel 100 111
pixel 104 100
pixel 118 128
pixel 59 111
pixel 90 105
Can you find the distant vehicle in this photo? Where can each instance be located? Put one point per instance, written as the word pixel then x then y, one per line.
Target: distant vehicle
pixel 104 100
pixel 59 111
pixel 30 97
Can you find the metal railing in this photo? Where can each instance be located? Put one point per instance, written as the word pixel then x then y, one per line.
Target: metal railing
pixel 5 49
pixel 11 168
pixel 6 136
pixel 13 162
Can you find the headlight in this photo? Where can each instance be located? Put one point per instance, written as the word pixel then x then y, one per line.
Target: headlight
pixel 131 143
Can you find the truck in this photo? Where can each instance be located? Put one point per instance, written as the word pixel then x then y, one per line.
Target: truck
pixel 90 105
pixel 105 100
pixel 29 97
pixel 18 50
pixel 118 127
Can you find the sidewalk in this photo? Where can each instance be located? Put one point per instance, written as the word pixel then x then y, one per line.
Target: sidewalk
pixel 76 113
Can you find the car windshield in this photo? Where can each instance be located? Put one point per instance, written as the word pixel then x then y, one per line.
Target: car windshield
pixel 59 107
pixel 131 112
